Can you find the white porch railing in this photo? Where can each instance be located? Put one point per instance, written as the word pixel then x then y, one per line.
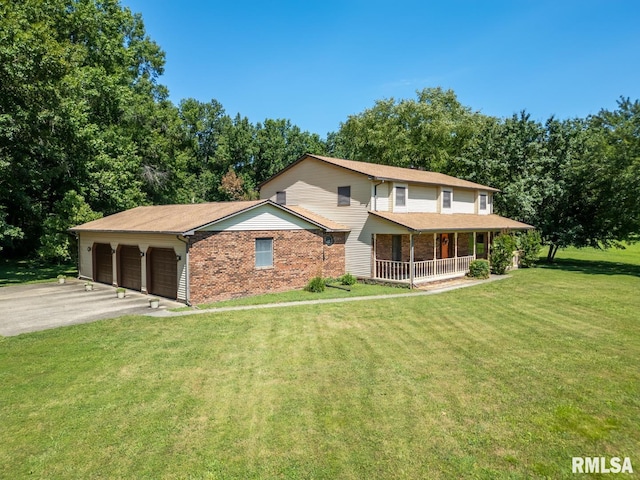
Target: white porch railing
pixel 423 270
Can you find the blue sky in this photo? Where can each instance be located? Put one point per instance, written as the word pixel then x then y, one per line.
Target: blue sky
pixel 317 62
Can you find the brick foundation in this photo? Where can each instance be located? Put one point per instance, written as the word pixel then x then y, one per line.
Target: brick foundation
pixel 222 264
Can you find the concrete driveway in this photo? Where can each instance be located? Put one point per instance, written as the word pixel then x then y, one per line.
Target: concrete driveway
pixel 29 308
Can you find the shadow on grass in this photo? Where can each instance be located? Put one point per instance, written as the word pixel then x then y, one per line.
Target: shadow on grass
pixel 16 272
pixel 592 267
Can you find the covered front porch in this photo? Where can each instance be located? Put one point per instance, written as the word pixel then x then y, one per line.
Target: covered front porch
pixel 425 257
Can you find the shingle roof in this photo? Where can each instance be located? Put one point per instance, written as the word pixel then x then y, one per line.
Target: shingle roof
pixel 329 225
pixel 179 219
pixel 436 222
pixel 387 172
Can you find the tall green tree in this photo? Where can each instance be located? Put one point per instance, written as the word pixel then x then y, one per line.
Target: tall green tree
pixel 427 133
pixel 77 80
pixel 609 177
pixel 279 143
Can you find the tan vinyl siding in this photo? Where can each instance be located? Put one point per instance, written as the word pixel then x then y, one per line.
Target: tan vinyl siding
pixel 143 241
pixel 313 184
pixel 382 200
pixel 423 199
pixel 464 201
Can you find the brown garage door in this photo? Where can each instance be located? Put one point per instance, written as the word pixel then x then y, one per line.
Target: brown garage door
pixel 163 272
pixel 102 263
pixel 129 272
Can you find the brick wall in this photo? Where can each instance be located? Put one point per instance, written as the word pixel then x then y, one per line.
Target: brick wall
pixel 334 259
pixel 222 264
pixel 465 244
pixel 422 246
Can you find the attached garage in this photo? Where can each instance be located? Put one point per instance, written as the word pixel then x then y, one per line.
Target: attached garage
pixel 199 253
pixel 162 279
pixel 102 263
pixel 129 267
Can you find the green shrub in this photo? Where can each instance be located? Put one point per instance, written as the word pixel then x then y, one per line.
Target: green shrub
pixel 348 279
pixel 529 245
pixel 479 269
pixel 315 285
pixel 502 250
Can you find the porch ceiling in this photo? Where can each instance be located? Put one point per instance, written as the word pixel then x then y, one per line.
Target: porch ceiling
pixel 436 222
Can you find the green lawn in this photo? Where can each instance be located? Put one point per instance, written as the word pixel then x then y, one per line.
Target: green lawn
pixel 358 290
pixel 14 272
pixel 505 380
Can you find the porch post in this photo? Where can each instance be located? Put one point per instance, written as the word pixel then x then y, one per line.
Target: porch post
pixel 489 246
pixel 411 273
pixel 474 245
pixel 435 250
pixel 456 247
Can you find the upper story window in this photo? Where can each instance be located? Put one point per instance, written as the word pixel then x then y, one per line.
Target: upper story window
pixel 446 199
pixel 264 252
pixel 401 197
pixel 483 201
pixel 281 198
pixel 344 196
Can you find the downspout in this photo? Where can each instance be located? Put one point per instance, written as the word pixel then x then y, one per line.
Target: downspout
pixel 187 285
pixel 375 195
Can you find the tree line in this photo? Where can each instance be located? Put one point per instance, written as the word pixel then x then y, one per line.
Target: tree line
pixel 87 129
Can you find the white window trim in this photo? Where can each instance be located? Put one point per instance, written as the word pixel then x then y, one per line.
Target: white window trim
pixel 262 267
pixel 405 207
pixel 444 209
pixel 482 195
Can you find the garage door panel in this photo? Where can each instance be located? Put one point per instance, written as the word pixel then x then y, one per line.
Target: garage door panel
pixel 103 263
pixel 163 272
pixel 130 267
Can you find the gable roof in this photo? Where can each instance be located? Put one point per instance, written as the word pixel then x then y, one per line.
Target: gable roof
pixel 436 222
pixel 386 172
pixel 184 219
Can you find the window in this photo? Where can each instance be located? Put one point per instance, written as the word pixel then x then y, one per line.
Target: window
pixel 264 252
pixel 401 196
pixel 344 196
pixel 446 199
pixel 483 201
pixel 396 248
pixel 281 198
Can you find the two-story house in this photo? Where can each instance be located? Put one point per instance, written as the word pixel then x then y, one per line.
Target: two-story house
pixel 405 225
pixel 319 216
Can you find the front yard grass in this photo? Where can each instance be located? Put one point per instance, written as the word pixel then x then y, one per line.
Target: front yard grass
pixel 357 290
pixel 508 379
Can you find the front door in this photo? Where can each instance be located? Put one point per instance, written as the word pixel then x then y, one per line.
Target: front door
pixel 444 245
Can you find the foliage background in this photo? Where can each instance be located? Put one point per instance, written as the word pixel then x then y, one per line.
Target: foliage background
pixel 86 129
